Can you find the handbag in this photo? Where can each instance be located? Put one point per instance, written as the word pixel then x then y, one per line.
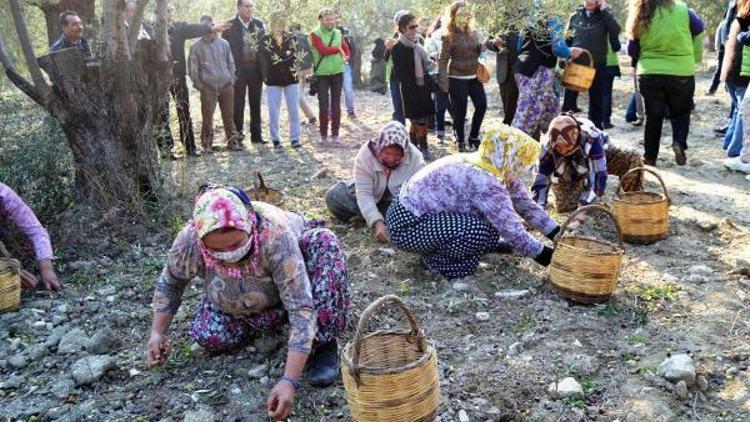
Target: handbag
pixel 312 80
pixel 483 75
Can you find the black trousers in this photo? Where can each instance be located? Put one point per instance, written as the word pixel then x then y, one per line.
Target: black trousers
pixel 179 90
pixel 249 83
pixel 716 78
pixel 509 97
pixel 666 96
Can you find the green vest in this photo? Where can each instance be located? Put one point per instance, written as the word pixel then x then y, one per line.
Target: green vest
pixel 611 56
pixel 329 65
pixel 745 68
pixel 667 46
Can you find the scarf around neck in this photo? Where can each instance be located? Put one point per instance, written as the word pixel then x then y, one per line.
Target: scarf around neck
pixel 422 63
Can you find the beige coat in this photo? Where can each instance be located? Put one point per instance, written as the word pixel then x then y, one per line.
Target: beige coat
pixel 370 179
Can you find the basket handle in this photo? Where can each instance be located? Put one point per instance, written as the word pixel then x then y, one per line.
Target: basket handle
pixel 258 182
pixel 588 208
pixel 365 319
pixel 646 169
pixel 591 58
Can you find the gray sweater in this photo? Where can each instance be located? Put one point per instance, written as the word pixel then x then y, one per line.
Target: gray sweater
pixel 211 64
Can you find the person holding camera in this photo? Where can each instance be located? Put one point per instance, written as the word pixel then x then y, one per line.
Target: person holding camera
pixel 329 55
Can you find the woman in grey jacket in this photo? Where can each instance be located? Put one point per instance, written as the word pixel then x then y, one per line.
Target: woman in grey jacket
pixel 382 165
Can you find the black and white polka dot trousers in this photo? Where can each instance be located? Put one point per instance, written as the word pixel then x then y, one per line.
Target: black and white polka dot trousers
pixel 451 244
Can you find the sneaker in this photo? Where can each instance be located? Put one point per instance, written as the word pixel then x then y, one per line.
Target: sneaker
pixel 638 122
pixel 323 367
pixel 747 177
pixel 193 152
pixel 607 125
pixel 721 130
pixel 258 140
pixel 736 164
pixel 296 144
pixel 277 146
pixel 462 147
pixel 679 155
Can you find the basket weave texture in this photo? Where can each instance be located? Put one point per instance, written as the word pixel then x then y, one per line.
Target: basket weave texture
pixel 585 269
pixel 390 375
pixel 578 77
pixel 643 216
pixel 10 284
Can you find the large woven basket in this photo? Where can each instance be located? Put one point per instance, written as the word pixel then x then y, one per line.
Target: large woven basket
pixel 10 284
pixel 390 376
pixel 578 77
pixel 643 216
pixel 260 192
pixel 585 269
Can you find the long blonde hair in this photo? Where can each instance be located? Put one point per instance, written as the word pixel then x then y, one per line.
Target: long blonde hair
pixel 451 15
pixel 743 8
pixel 641 12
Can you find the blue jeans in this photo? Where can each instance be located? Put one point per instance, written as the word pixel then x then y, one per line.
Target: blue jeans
pixel 398 105
pixel 733 138
pixel 442 104
pixel 348 89
pixel 291 96
pixel 630 114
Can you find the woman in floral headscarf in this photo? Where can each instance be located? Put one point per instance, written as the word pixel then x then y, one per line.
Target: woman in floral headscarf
pixel 382 165
pixel 463 206
pixel 576 160
pixel 261 268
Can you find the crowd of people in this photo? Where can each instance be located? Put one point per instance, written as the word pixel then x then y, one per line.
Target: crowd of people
pixel 263 267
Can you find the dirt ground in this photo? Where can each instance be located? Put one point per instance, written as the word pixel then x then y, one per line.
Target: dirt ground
pixel 678 295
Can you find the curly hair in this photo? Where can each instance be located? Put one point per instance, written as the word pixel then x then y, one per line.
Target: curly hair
pixel 641 13
pixel 452 11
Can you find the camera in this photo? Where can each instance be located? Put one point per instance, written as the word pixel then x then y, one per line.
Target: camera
pixel 312 81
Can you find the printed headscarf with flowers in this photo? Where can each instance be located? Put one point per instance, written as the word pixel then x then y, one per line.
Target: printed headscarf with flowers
pixel 393 133
pixel 219 208
pixel 506 152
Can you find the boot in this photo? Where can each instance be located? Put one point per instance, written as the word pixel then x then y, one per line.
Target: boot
pixel 462 147
pixel 323 366
pixel 474 143
pixel 423 148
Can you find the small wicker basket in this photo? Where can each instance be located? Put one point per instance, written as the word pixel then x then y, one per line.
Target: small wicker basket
pixel 260 192
pixel 643 216
pixel 578 77
pixel 390 376
pixel 10 281
pixel 585 269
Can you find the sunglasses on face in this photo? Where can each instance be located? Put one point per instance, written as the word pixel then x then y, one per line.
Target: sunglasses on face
pixel 412 27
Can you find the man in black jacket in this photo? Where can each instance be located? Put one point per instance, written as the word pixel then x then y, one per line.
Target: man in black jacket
pixel 592 27
pixel 178 33
pixel 244 38
pixel 506 49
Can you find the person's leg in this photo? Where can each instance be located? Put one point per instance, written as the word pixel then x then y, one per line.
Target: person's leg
pixel 254 99
pixel 217 331
pixel 622 160
pixel 509 91
pixel 527 110
pixel 655 103
pixel 208 107
pixel 292 95
pixel 716 78
pixel 732 90
pixel 273 98
pixel 630 114
pixel 349 90
pixel 735 143
pixel 479 100
pixel 336 85
pixel 398 106
pixel 324 95
pixel 609 82
pixel 240 90
pixel 679 92
pixel 303 103
pixel 341 201
pixel 440 108
pixel 745 112
pixel 458 93
pixel 164 138
pixel 549 101
pixel 570 100
pixel 420 129
pixel 182 101
pixel 596 97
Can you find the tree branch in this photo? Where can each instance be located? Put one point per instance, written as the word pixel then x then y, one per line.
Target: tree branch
pixel 160 32
pixel 16 78
pixel 23 39
pixel 140 8
pixel 122 49
pixel 107 35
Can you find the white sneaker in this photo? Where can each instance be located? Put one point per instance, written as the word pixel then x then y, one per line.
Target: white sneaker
pixel 747 177
pixel 736 164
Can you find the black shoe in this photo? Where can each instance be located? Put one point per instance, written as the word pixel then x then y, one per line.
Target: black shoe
pixel 193 152
pixel 503 247
pixel 258 140
pixel 721 130
pixel 323 366
pixel 679 155
pixel 474 143
pixel 462 147
pixel 448 123
pixel 607 125
pixel 649 162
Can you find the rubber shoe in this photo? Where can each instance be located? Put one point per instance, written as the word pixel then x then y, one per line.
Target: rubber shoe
pixel 679 155
pixel 323 366
pixel 735 164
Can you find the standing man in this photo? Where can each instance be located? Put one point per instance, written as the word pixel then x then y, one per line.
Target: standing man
pixel 244 40
pixel 178 33
pixel 506 49
pixel 212 72
pixel 72 36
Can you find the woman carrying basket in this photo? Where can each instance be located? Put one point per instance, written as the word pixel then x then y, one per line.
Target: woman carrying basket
pixel 576 159
pixel 463 206
pixel 261 267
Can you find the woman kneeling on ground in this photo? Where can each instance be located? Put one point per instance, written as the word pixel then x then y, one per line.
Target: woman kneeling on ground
pixel 261 268
pixel 576 159
pixel 463 206
pixel 382 165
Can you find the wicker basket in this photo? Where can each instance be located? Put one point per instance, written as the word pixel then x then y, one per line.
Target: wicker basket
pixel 578 77
pixel 585 269
pixel 390 376
pixel 261 192
pixel 10 284
pixel 643 216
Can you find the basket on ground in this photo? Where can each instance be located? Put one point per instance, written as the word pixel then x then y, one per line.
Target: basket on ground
pixel 585 269
pixel 260 192
pixel 10 284
pixel 579 77
pixel 390 376
pixel 643 216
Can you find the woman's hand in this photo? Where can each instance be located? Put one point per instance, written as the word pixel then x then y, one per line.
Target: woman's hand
pixel 381 232
pixel 281 401
pixel 389 43
pixel 49 278
pixel 28 280
pixel 158 349
pixel 575 52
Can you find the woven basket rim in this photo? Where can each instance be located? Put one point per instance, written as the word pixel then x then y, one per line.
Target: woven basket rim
pixel 617 249
pixel 375 370
pixel 623 198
